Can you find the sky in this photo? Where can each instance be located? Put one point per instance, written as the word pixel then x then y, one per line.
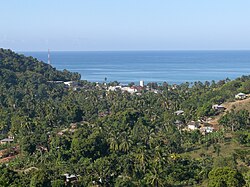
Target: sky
pixel 103 25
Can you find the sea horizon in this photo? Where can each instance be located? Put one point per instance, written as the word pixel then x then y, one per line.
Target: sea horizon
pixel 172 66
pixel 131 50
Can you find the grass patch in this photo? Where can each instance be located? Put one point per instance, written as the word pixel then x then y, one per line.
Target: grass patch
pixel 226 149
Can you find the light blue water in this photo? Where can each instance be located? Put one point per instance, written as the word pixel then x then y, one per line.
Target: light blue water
pixel 151 66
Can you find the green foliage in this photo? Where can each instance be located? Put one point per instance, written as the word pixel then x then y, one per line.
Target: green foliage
pixel 111 138
pixel 57 183
pixel 225 176
pixel 40 179
pixel 236 120
pixel 8 178
pixel 229 161
pixel 205 110
pixel 243 137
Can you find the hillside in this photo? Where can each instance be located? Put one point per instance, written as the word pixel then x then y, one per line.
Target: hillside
pixel 54 135
pixel 235 105
pixel 25 87
pixel 24 66
pixel 238 105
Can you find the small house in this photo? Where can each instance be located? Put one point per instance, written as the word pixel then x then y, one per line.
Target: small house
pixel 179 112
pixel 218 107
pixel 60 133
pixel 70 178
pixel 55 82
pixel 6 140
pixel 71 83
pixel 179 124
pixel 73 125
pixel 240 96
pixel 192 125
pixel 207 130
pixel 114 88
pixel 130 90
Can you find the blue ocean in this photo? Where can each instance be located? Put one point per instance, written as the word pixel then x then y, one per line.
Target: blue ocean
pixel 151 66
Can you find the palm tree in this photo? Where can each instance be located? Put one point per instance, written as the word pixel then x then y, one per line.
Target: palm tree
pixel 113 142
pixel 155 177
pixel 125 142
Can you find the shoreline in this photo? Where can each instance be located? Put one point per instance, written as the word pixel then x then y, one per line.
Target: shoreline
pixel 173 67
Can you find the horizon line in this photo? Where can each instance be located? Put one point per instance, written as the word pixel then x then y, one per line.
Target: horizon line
pixel 139 50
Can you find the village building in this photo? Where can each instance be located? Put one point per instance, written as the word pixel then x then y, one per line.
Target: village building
pixel 134 89
pixel 192 125
pixel 156 91
pixel 137 88
pixel 240 96
pixel 218 107
pixel 114 88
pixel 179 112
pixel 76 88
pixel 142 83
pixel 73 125
pixel 103 114
pixel 6 140
pixel 60 133
pixel 71 83
pixel 179 124
pixel 70 178
pixel 55 82
pixel 130 90
pixel 206 130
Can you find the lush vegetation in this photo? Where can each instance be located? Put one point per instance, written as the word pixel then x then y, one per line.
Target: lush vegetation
pixel 116 138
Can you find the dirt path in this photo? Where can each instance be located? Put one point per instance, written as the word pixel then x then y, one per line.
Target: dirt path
pixel 7 159
pixel 239 105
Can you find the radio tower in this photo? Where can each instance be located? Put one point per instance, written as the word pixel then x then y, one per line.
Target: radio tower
pixel 48 56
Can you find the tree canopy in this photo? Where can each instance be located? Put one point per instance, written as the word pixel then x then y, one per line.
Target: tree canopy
pixel 113 138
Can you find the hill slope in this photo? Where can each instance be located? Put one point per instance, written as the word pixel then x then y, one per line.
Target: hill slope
pixel 20 65
pixel 236 105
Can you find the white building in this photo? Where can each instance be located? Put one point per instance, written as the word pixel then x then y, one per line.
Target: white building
pixel 142 83
pixel 71 83
pixel 192 125
pixel 129 90
pixel 207 129
pixel 123 89
pixel 218 107
pixel 70 178
pixel 114 88
pixel 6 140
pixel 240 96
pixel 179 112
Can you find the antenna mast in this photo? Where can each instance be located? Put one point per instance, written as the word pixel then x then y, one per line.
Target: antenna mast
pixel 49 57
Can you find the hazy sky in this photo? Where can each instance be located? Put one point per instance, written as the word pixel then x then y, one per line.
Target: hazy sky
pixel 27 25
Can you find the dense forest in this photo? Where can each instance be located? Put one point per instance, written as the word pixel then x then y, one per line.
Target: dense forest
pixel 81 134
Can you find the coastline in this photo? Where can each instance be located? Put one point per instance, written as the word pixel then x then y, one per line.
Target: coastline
pixel 173 67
